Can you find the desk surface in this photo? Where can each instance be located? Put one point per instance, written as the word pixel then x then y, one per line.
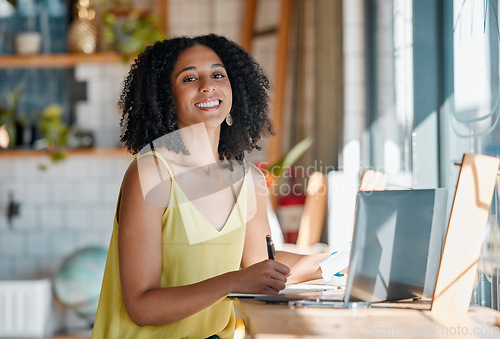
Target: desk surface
pixel 281 321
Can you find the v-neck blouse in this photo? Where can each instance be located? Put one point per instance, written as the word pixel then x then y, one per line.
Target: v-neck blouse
pixel 192 251
pixel 198 228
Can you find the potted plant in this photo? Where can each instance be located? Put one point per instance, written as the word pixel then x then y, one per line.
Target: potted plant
pixel 127 30
pixel 274 172
pixel 54 133
pixel 8 120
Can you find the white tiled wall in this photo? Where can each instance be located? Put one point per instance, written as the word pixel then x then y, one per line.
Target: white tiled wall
pixel 99 113
pixel 69 206
pixel 206 16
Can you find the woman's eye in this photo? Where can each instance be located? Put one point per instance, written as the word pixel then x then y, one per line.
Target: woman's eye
pixel 219 76
pixel 190 79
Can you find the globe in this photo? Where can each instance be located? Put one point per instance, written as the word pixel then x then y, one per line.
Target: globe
pixel 77 284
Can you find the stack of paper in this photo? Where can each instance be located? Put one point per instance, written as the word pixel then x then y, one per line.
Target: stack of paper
pixel 335 263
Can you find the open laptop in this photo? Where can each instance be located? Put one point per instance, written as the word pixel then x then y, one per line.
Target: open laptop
pixel 395 254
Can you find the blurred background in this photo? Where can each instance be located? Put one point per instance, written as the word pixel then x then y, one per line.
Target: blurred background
pixel 401 87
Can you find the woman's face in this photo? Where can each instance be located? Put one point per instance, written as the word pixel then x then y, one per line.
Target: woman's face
pixel 201 88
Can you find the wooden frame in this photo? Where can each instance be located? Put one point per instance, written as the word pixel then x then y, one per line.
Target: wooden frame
pixel 283 45
pixel 465 235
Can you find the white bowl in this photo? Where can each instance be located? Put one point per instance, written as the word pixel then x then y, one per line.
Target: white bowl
pixel 28 43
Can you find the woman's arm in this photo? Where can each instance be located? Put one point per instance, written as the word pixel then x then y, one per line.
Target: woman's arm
pixel 139 249
pixel 302 267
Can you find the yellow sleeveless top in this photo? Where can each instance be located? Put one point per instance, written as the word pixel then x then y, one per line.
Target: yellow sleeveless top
pixel 192 251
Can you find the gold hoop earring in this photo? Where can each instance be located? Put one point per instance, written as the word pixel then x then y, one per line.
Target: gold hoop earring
pixel 229 120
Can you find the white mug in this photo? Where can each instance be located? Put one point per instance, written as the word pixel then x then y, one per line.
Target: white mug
pixel 28 42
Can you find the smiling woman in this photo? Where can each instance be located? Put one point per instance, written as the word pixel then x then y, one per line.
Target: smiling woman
pixel 191 220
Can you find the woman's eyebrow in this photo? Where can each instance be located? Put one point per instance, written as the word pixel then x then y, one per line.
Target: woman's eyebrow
pixel 186 69
pixel 190 68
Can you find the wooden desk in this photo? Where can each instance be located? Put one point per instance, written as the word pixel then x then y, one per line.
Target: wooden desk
pixel 281 321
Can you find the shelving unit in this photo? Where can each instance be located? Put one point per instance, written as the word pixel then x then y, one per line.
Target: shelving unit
pixel 105 152
pixel 71 60
pixel 56 60
pixel 64 60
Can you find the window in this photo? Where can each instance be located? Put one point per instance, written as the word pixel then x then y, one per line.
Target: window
pixel 472 112
pixel 432 94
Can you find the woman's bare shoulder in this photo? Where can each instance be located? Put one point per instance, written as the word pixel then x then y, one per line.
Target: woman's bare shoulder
pixel 258 178
pixel 256 172
pixel 150 177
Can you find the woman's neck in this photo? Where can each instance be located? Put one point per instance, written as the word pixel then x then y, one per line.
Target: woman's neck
pixel 202 142
pixel 214 137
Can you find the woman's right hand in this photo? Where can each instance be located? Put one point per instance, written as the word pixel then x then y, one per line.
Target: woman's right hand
pixel 265 277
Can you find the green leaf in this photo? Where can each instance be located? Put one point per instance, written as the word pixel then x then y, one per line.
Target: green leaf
pixel 129 35
pixel 291 157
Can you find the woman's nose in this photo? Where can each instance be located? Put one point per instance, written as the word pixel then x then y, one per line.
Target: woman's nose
pixel 207 85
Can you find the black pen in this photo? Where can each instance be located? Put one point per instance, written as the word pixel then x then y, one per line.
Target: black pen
pixel 271 252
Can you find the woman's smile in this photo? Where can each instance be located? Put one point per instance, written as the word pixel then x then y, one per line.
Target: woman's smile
pixel 209 104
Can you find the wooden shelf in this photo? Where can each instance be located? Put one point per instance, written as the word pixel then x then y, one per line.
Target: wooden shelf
pixel 106 152
pixel 56 60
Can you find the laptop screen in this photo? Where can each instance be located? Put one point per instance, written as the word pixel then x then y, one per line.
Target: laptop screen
pixel 397 242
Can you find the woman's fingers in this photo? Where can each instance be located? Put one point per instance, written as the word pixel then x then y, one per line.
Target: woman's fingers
pixel 267 277
pixel 283 269
pixel 345 270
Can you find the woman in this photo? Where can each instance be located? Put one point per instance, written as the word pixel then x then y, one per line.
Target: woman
pixel 191 218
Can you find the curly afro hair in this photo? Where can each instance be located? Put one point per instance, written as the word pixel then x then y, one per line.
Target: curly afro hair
pixel 149 110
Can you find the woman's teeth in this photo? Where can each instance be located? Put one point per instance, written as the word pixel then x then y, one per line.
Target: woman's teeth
pixel 208 104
